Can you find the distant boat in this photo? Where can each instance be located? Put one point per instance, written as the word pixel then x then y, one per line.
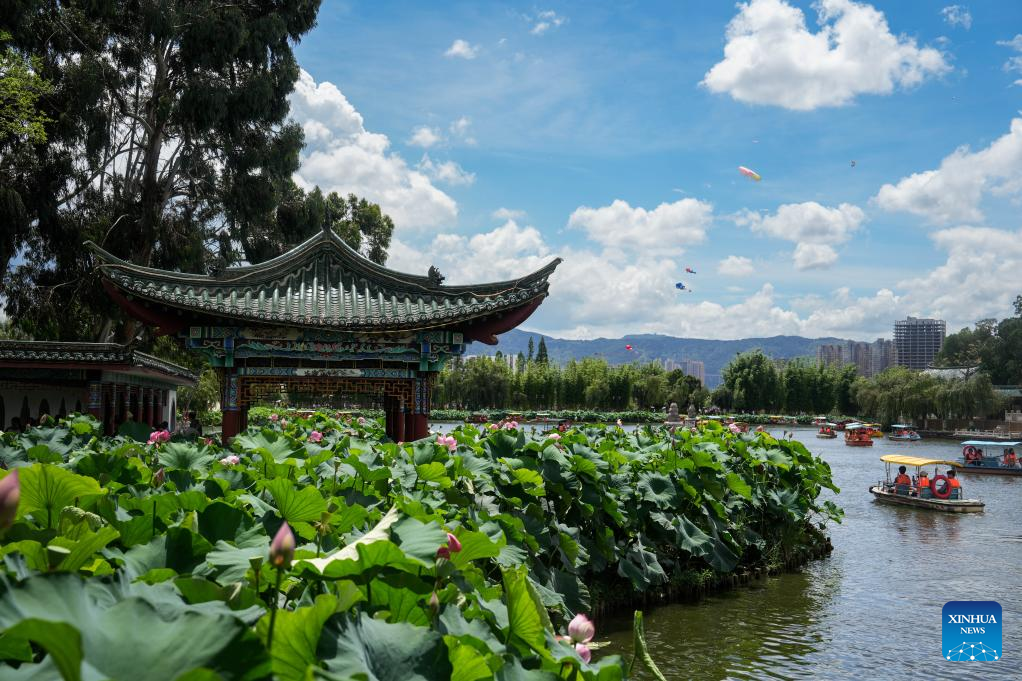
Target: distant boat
pixel 858 435
pixel 901 432
pixel 827 431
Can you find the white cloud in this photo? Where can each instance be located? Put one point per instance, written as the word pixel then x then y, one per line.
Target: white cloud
pixel 953 192
pixel 813 227
pixel 544 21
pixel 772 58
pixel 807 222
pixel 957 15
pixel 813 256
pixel 735 266
pixel 462 49
pixel 668 228
pixel 425 137
pixel 1014 64
pixel 508 214
pixel 447 172
pixel 342 156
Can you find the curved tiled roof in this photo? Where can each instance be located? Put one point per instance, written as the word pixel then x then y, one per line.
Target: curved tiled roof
pixel 110 355
pixel 324 283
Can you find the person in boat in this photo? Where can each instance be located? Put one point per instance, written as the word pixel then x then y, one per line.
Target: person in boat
pixel 902 479
pixel 923 484
pixel 1010 460
pixel 952 481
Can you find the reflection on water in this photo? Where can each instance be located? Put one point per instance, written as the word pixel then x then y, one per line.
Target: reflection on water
pixel 869 611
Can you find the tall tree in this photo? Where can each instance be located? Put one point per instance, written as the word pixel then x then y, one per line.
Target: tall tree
pixel 167 140
pixel 532 349
pixel 541 354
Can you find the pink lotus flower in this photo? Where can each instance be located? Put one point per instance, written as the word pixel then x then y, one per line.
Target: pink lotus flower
pixel 274 417
pixel 208 441
pixel 361 420
pixel 583 652
pixel 447 441
pixel 232 460
pixel 315 436
pixel 554 436
pixel 511 425
pixel 10 493
pixel 453 546
pixel 282 548
pixel 494 426
pixel 158 436
pixel 734 428
pixel 581 629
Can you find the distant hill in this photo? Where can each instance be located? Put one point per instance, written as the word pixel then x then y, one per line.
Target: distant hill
pixel 714 354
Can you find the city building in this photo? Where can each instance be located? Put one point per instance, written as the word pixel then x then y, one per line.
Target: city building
pixel 860 354
pixel 881 355
pixel 830 355
pixel 917 341
pixel 694 367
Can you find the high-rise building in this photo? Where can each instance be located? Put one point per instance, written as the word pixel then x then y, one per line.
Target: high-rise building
pixel 860 355
pixel 694 367
pixel 830 355
pixel 882 355
pixel 917 341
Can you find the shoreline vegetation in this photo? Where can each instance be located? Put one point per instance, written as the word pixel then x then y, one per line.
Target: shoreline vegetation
pixel 311 545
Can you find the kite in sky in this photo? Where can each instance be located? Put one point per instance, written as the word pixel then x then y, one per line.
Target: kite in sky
pixel 628 347
pixel 690 270
pixel 749 173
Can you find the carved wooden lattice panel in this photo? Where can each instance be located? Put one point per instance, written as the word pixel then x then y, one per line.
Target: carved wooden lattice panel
pixel 257 388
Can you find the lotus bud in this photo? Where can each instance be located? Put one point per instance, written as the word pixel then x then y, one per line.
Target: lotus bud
pixel 583 652
pixel 158 477
pixel 581 629
pixel 274 417
pixel 282 548
pixel 434 603
pixel 361 420
pixel 315 436
pixel 453 546
pixel 554 436
pixel 10 493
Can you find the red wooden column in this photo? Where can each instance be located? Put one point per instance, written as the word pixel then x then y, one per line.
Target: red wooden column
pixel 399 421
pixel 229 403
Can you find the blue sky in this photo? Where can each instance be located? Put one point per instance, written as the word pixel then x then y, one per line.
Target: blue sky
pixel 501 135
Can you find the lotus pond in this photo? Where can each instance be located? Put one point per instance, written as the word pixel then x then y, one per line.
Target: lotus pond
pixel 468 556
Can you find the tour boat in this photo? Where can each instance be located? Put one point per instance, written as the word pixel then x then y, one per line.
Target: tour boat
pixel 827 431
pixel 901 432
pixel 477 417
pixel 875 429
pixel 857 435
pixel 975 458
pixel 938 495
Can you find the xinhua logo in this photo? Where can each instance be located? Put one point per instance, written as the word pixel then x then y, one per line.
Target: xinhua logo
pixel 971 631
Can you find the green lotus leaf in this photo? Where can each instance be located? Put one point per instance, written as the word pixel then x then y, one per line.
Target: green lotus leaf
pixel 304 505
pixel 353 645
pixel 186 456
pixel 46 489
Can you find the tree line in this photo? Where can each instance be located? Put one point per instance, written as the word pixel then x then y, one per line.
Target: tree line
pixel 161 132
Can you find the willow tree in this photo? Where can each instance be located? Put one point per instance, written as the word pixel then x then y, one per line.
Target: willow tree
pixel 167 142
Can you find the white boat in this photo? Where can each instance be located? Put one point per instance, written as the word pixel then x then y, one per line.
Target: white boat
pixel 901 432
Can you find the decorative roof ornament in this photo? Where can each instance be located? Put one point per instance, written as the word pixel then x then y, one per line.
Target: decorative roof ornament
pixel 435 278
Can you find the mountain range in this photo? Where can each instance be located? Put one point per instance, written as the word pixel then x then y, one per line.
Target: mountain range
pixel 714 354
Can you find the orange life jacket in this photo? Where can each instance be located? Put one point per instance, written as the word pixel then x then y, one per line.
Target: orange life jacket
pixel 902 479
pixel 954 483
pixel 923 482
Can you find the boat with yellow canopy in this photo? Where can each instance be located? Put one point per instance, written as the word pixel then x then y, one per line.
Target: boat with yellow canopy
pixel 934 492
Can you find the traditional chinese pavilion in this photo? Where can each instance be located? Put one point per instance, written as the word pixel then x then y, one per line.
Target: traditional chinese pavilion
pixel 112 382
pixel 323 318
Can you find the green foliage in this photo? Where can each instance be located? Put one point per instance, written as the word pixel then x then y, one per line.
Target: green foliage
pixel 105 574
pixel 994 346
pixel 21 87
pixel 900 393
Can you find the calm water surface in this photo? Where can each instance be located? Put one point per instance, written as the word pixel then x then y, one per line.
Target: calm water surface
pixel 872 610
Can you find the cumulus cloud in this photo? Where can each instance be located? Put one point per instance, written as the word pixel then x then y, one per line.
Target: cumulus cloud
pixel 447 172
pixel 957 15
pixel 953 192
pixel 425 137
pixel 813 256
pixel 735 266
pixel 462 49
pixel 342 156
pixel 813 227
pixel 771 57
pixel 668 228
pixel 544 21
